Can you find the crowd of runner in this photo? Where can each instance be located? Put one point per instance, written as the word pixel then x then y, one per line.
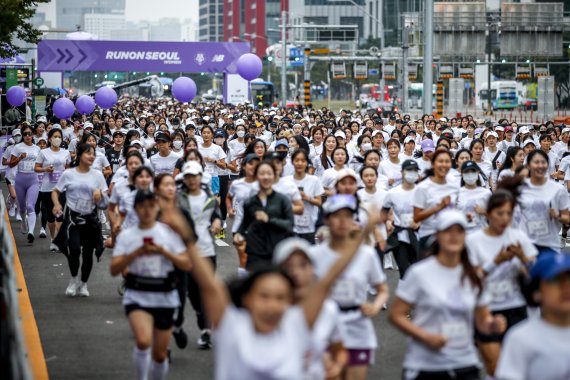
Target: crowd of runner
pixel 474 215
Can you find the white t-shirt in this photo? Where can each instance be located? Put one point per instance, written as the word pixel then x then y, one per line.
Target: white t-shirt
pixel 127 207
pixel 59 160
pixel 424 165
pixel 28 164
pixel 502 283
pixel 428 194
pixel 215 152
pixel 156 266
pixel 535 203
pixel 351 289
pixel 328 179
pixel 312 187
pixel 240 351
pixel 400 201
pixel 79 188
pixel 444 304
pixel 240 191
pixel 391 171
pixel 164 164
pixel 201 212
pixel 535 349
pixel 487 170
pixel 100 162
pixel 466 202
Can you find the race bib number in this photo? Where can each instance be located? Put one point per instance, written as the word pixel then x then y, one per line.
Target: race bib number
pixel 163 169
pixel 344 292
pixel 501 291
pixel 537 227
pixel 457 334
pixel 149 266
pixel 27 166
pixel 302 220
pixel 40 177
pixel 84 206
pixel 54 177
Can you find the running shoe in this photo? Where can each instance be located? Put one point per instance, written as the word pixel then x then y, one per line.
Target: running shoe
pixel 12 211
pixel 18 216
pixel 180 337
pixel 53 247
pixel 221 234
pixel 71 290
pixel 43 234
pixel 82 290
pixel 31 238
pixel 205 342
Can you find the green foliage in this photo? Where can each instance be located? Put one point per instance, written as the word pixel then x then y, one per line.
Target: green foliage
pixel 14 23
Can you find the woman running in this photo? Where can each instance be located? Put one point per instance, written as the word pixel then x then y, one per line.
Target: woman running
pixel 268 218
pixel 445 294
pixel 214 156
pixel 165 160
pixel 392 167
pixel 52 161
pixel 27 185
pixel 502 254
pixel 150 251
pixel 351 289
pixel 472 196
pixel 328 180
pixel 311 192
pixel 432 195
pixel 85 191
pixel 544 204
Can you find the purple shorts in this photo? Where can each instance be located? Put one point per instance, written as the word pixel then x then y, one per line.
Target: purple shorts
pixel 360 357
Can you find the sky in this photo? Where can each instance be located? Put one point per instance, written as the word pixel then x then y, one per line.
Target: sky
pixel 152 10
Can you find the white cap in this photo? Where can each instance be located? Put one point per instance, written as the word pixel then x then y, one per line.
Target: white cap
pixel 17 132
pixel 494 134
pixel 409 139
pixel 135 142
pixel 287 247
pixel 450 217
pixel 42 119
pixel 87 124
pixel 192 168
pixel 529 141
pixel 523 130
pixel 240 122
pixel 56 126
pixel 338 202
pixel 343 173
pixel 499 128
pixel 565 130
pixel 340 134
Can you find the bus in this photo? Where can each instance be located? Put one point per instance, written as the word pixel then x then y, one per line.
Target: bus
pixel 503 94
pixel 262 92
pixel 415 95
pixel 371 91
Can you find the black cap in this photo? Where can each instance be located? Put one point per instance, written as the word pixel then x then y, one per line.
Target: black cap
pixel 410 165
pixel 392 117
pixel 144 195
pixel 378 120
pixel 470 165
pixel 161 136
pixel 118 132
pixel 251 157
pixel 447 135
pixel 274 156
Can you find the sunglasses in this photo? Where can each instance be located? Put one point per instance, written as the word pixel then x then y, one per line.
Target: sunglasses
pixel 26 134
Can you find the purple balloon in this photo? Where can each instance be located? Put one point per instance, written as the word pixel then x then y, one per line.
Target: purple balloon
pixel 184 89
pixel 16 96
pixel 249 66
pixel 105 97
pixel 63 108
pixel 85 105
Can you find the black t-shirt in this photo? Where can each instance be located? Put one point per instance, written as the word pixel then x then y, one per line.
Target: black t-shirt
pixel 113 157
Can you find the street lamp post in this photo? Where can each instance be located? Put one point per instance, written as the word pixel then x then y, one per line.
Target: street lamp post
pixel 283 62
pixel 428 56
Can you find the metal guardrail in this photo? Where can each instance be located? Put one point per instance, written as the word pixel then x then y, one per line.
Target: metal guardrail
pixel 14 363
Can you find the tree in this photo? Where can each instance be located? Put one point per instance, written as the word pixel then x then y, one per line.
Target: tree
pixel 15 24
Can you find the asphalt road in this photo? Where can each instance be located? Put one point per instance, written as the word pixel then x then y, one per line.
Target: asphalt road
pixel 89 338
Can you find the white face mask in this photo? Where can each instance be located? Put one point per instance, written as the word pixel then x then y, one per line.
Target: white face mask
pixel 411 176
pixel 56 141
pixel 292 150
pixel 366 147
pixel 17 139
pixel 177 144
pixel 240 134
pixel 470 178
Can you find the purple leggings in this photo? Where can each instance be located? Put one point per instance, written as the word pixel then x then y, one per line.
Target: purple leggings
pixel 27 190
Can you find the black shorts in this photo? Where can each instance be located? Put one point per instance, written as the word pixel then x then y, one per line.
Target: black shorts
pixel 163 316
pixel 8 182
pixel 513 316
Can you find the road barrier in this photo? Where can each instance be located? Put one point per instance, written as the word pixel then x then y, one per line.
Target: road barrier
pixel 14 362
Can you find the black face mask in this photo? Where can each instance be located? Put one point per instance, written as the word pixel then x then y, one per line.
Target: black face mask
pixel 283 154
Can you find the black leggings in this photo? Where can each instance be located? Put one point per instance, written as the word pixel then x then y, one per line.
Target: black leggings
pixel 224 187
pixel 187 285
pixel 47 203
pixel 405 255
pixel 81 242
pixel 42 208
pixel 467 373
